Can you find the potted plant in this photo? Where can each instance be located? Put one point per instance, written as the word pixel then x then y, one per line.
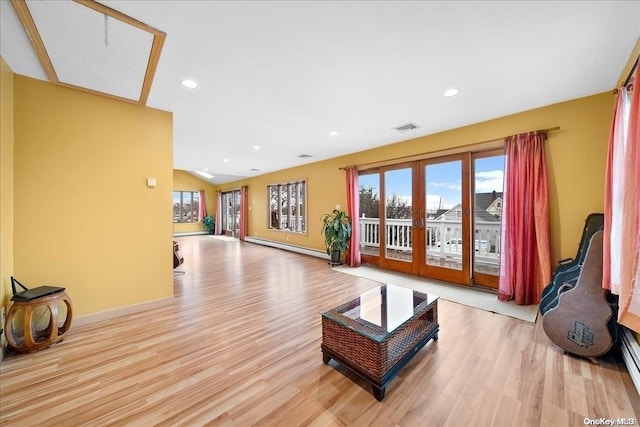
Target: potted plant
pixel 209 222
pixel 336 228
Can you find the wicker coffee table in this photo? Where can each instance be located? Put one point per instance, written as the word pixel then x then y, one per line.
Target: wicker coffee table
pixel 377 334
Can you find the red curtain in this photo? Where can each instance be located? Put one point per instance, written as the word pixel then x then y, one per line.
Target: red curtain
pixel 525 262
pixel 622 206
pixel 353 210
pixel 218 212
pixel 202 206
pixel 613 196
pixel 243 212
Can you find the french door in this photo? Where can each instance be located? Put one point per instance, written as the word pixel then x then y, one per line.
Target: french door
pixel 437 218
pixel 231 213
pixel 444 234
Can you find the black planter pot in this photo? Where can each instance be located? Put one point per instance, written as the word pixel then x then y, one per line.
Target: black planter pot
pixel 335 258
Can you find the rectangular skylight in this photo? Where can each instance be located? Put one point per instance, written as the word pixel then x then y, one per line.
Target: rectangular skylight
pixel 204 174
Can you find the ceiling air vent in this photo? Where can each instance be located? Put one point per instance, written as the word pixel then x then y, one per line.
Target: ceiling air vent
pixel 304 156
pixel 254 170
pixel 407 127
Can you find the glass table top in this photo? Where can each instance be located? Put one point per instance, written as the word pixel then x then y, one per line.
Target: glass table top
pixel 382 310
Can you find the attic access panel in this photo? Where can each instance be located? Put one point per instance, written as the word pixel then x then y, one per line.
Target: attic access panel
pixel 87 45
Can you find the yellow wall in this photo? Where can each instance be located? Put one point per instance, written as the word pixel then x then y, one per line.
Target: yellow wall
pixel 6 181
pixel 84 217
pixel 325 189
pixel 76 211
pixel 184 181
pixel 576 156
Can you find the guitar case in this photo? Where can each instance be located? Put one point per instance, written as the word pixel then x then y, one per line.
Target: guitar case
pixel 583 319
pixel 569 269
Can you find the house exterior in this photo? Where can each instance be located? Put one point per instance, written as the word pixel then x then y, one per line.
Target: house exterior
pixel 488 210
pixel 488 207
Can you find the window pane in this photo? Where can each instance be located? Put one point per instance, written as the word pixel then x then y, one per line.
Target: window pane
pixel 177 206
pixel 398 214
pixel 370 214
pixel 287 206
pixel 195 206
pixel 301 206
pixel 186 206
pixel 284 206
pixel 443 239
pixel 489 176
pixel 274 217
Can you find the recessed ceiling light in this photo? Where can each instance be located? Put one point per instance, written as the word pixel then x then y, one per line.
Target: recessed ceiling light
pixel 451 92
pixel 256 147
pixel 204 174
pixel 225 160
pixel 333 133
pixel 189 84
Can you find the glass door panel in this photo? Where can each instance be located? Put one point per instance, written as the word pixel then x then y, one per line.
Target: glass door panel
pixel 369 215
pixel 438 217
pixel 445 234
pixel 236 213
pixel 398 214
pixel 488 184
pixel 444 242
pixel 231 213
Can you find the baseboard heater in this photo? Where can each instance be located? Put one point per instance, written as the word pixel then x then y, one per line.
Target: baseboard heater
pixel 189 233
pixel 286 247
pixel 631 355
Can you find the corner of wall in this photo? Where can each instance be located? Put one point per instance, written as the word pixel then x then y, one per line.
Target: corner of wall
pixel 628 68
pixel 6 189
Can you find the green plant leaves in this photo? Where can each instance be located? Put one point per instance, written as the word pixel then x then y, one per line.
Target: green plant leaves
pixel 336 228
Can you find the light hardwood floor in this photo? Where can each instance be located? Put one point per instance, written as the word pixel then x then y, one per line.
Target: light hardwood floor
pixel 241 346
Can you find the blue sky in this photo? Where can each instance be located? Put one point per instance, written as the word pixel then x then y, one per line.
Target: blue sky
pixel 443 181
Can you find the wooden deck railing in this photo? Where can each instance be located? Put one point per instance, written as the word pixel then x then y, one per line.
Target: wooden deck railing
pixel 443 237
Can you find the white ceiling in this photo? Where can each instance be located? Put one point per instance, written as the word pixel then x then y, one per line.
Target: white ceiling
pixel 282 75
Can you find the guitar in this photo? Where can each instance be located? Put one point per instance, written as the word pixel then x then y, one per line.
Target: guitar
pixel 582 321
pixel 177 256
pixel 569 269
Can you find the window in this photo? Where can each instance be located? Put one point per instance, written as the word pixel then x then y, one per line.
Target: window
pixel 185 206
pixel 287 206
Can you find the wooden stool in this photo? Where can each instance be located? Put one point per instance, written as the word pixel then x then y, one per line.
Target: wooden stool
pixel 46 304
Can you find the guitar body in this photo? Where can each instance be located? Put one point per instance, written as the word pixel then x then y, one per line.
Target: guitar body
pixel 566 275
pixel 177 256
pixel 582 320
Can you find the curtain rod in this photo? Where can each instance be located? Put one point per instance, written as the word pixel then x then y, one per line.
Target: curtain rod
pixel 628 82
pixel 629 78
pixel 443 152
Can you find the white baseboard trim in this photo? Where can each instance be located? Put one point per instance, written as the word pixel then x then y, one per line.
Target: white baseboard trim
pixel 121 311
pixel 189 233
pixel 631 355
pixel 287 247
